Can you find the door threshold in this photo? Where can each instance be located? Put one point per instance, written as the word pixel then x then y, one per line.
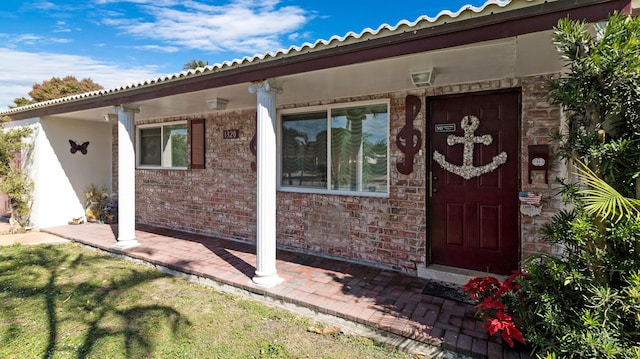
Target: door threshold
pixel 455 275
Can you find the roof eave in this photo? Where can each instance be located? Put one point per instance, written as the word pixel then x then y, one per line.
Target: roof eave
pixel 484 28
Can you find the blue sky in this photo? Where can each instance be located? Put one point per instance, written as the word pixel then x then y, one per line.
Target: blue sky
pixel 116 42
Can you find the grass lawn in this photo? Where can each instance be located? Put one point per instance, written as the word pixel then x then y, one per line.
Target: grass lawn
pixel 62 301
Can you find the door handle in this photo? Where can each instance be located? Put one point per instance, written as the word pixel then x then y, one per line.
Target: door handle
pixel 430 184
pixel 431 179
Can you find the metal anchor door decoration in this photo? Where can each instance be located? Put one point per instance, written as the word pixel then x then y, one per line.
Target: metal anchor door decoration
pixel 469 124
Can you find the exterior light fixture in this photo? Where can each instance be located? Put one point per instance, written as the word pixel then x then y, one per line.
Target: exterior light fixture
pixel 217 104
pixel 423 78
pixel 110 117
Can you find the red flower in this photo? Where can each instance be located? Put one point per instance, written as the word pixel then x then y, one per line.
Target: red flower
pixel 504 323
pixel 492 293
pixel 510 332
pixel 509 284
pixel 491 303
pixel 480 286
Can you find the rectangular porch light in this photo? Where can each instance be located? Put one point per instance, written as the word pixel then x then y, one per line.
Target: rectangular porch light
pixel 110 117
pixel 423 78
pixel 217 103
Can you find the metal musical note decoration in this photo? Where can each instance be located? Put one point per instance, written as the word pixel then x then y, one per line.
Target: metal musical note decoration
pixel 253 147
pixel 409 139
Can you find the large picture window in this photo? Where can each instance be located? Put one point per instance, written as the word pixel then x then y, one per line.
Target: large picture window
pixel 163 145
pixel 341 149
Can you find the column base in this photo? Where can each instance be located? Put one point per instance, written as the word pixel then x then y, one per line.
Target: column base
pixel 267 281
pixel 126 243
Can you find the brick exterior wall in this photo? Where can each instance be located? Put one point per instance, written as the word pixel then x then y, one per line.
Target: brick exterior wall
pixel 387 232
pixel 540 119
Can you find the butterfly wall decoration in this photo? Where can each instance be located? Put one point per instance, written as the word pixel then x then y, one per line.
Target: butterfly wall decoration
pixel 76 147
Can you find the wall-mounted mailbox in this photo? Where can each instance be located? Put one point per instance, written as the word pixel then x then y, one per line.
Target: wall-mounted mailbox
pixel 539 161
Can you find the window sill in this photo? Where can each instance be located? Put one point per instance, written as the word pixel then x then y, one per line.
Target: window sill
pixel 162 168
pixel 333 193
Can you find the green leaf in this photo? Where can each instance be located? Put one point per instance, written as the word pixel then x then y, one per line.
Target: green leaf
pixel 604 201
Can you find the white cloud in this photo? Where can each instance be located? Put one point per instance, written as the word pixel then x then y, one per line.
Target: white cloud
pixel 164 26
pixel 41 5
pixel 296 36
pixel 20 70
pixel 246 26
pixel 155 2
pixel 16 40
pixel 157 48
pixel 61 26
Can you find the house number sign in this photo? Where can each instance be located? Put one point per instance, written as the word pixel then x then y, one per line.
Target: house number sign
pixel 446 127
pixel 230 134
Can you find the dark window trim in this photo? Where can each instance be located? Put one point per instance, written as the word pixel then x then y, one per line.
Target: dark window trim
pixel 197 140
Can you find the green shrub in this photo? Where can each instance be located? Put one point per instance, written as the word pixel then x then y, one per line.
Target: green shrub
pixel 566 310
pixel 585 303
pixel 18 186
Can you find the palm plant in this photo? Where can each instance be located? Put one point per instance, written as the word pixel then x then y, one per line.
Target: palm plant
pixel 603 201
pixel 194 64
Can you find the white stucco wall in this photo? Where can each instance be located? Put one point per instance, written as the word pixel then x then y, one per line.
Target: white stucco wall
pixel 59 176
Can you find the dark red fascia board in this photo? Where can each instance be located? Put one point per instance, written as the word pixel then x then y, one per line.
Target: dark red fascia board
pixel 484 28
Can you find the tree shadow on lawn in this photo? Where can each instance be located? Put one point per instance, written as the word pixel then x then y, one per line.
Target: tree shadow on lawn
pixel 97 301
pixel 391 297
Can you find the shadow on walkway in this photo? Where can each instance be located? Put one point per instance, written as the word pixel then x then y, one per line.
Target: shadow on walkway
pixel 386 305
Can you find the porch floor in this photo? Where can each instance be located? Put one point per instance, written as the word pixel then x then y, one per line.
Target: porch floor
pixel 381 304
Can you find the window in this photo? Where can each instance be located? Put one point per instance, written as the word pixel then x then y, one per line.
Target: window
pixel 342 149
pixel 163 146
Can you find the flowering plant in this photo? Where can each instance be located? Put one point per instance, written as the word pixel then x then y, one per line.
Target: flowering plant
pixel 95 194
pixel 109 213
pixel 495 300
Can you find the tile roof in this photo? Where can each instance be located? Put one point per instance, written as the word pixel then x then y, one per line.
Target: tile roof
pixel 444 17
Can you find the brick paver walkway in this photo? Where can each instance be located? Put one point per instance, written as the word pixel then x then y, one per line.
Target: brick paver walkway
pixel 386 305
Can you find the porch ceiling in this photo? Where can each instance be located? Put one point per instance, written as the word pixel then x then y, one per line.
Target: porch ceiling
pixel 505 58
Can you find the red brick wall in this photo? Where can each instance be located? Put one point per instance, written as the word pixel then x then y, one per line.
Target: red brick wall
pixel 540 119
pixel 219 199
pixel 389 232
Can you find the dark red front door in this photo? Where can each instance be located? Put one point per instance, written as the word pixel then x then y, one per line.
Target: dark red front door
pixel 474 181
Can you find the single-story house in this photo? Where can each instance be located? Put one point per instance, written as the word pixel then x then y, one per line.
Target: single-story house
pixel 421 147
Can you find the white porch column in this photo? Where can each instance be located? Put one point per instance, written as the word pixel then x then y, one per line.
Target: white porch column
pixel 266 274
pixel 126 177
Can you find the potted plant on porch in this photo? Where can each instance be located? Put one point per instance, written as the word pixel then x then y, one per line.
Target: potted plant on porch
pixel 96 197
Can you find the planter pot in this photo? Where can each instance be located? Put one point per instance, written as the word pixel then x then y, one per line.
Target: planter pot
pixel 92 212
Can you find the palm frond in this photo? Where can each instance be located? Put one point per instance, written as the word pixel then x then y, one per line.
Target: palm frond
pixel 602 200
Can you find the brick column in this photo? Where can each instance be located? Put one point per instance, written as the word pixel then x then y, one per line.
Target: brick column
pixel 266 274
pixel 126 177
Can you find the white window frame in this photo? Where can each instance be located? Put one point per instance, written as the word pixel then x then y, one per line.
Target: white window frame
pixel 160 125
pixel 327 109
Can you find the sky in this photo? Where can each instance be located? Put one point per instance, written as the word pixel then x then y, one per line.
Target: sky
pixel 117 42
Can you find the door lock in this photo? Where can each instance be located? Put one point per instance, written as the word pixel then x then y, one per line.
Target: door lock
pixel 431 179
